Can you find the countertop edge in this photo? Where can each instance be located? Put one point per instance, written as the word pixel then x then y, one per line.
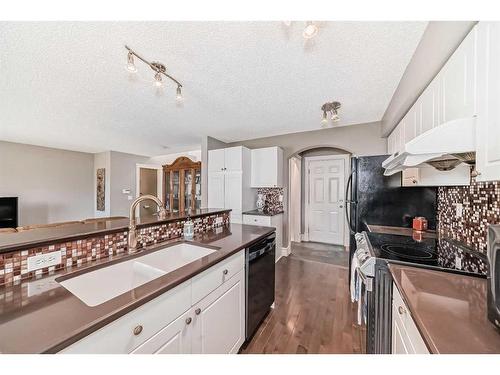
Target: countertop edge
pixel 107 319
pixel 83 235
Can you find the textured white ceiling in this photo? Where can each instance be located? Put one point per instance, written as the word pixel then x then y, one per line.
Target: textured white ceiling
pixel 64 84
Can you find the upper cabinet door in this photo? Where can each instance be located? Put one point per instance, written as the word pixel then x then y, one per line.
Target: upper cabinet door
pixel 428 107
pixel 234 158
pixel 459 81
pixel 410 124
pixel 488 119
pixel 267 167
pixel 216 160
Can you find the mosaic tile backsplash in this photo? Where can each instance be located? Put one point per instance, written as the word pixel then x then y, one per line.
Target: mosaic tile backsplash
pixel 273 203
pixel 14 265
pixel 481 207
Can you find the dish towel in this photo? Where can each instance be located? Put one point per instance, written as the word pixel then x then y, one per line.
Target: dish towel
pixel 355 280
pixel 356 287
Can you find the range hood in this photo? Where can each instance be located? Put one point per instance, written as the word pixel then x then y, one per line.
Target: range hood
pixel 451 138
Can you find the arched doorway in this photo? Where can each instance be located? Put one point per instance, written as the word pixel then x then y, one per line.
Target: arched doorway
pixel 316 199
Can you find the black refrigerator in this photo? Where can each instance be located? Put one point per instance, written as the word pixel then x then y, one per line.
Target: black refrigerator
pixel 372 198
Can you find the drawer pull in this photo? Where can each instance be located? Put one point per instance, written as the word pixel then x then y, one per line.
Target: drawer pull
pixel 189 320
pixel 197 311
pixel 401 310
pixel 137 330
pixel 225 272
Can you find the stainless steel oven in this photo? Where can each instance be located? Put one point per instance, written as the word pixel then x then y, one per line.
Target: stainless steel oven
pixel 260 274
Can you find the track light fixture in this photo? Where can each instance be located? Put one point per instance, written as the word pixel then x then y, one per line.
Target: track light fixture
pixel 159 69
pixel 331 108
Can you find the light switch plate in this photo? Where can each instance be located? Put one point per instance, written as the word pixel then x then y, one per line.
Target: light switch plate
pixel 125 191
pixel 44 260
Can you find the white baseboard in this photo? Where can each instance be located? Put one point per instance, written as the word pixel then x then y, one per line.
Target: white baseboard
pixel 285 251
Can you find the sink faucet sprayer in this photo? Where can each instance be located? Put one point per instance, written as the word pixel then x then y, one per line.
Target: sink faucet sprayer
pixel 132 230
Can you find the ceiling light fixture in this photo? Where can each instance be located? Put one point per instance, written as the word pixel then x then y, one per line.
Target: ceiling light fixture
pixel 130 63
pixel 159 69
pixel 179 96
pixel 331 108
pixel 310 31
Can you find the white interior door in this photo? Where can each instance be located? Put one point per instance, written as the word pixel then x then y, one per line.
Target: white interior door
pixel 325 218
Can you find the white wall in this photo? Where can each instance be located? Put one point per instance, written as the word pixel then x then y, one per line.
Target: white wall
pixel 52 185
pixel 123 176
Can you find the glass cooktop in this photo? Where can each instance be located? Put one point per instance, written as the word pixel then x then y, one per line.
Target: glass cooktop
pixel 441 252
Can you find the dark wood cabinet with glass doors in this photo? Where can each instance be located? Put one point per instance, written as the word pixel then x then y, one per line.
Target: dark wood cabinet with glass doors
pixel 182 182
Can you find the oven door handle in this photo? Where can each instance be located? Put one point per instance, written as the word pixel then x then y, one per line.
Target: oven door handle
pixel 368 281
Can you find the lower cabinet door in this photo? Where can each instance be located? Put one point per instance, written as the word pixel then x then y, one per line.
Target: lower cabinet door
pixel 176 338
pixel 219 318
pixel 398 342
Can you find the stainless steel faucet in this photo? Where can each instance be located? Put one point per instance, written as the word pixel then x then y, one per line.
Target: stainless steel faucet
pixel 132 229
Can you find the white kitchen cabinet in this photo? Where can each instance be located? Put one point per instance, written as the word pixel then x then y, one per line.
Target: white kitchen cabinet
pixel 275 221
pixel 488 120
pixel 410 125
pixel 216 160
pixel 204 314
pixel 406 338
pixel 451 95
pixel 267 167
pixel 459 81
pixel 229 172
pixel 175 338
pixel 219 319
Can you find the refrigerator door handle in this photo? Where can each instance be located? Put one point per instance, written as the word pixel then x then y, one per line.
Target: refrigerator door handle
pixel 347 200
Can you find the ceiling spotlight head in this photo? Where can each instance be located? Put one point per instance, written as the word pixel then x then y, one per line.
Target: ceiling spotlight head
pixel 324 120
pixel 131 68
pixel 179 96
pixel 158 80
pixel 310 31
pixel 335 116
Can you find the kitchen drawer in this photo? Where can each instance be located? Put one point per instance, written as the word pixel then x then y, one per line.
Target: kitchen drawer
pixel 211 279
pixel 119 337
pixel 264 221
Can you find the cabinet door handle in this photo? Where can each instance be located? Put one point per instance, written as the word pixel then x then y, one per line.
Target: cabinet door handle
pixel 137 330
pixel 401 310
pixel 225 272
pixel 189 320
pixel 197 311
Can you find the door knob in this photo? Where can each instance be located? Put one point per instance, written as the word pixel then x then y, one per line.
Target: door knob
pixel 401 310
pixel 225 272
pixel 341 206
pixel 189 320
pixel 197 311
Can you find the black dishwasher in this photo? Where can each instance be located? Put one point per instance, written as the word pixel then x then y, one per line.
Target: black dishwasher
pixel 260 260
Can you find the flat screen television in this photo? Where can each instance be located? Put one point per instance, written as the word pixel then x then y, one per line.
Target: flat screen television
pixel 8 212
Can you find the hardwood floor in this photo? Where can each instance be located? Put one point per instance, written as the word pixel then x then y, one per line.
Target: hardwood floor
pixel 313 312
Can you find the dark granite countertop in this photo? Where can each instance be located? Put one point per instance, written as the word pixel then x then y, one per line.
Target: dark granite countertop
pixel 47 322
pixel 262 213
pixel 44 236
pixel 449 309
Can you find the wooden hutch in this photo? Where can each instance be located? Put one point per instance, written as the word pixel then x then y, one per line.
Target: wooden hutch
pixel 182 181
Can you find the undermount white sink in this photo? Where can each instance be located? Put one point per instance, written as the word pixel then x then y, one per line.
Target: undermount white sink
pixel 103 284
